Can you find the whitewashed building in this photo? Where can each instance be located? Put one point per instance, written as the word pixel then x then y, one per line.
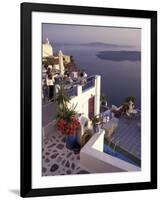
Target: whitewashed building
pixel 87 97
pixel 87 100
pixel 47 49
pixel 56 61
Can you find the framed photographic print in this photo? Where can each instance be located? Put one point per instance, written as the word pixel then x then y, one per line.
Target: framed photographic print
pixel 88 99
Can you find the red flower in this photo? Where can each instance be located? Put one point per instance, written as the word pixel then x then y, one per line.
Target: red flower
pixel 68 128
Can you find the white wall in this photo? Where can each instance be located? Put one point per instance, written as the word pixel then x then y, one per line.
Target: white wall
pixel 47 50
pixel 9 101
pixel 82 100
pixel 95 160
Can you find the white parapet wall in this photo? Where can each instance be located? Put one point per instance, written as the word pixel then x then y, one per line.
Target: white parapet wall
pixel 95 160
pixel 82 98
pixel 97 93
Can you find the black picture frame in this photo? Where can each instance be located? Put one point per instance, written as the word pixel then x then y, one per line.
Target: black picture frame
pixel 26 103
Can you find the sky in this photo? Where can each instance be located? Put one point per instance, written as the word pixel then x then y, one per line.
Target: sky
pixel 86 34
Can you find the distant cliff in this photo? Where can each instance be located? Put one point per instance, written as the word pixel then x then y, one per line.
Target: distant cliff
pixel 106 45
pixel 120 55
pixel 94 44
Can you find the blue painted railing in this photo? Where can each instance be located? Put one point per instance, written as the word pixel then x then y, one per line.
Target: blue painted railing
pixel 90 83
pixel 72 92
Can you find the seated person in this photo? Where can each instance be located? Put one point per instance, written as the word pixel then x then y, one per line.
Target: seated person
pixel 130 110
pixel 118 112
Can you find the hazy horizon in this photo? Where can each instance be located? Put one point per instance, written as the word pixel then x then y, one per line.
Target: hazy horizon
pixel 113 53
pixel 80 34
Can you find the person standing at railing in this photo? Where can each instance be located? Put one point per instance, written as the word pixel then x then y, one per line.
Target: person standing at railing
pixel 44 92
pixel 81 79
pixel 57 80
pixel 50 84
pixel 74 75
pixel 56 90
pixel 67 81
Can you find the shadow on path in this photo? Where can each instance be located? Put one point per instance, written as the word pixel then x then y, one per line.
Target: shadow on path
pixel 48 113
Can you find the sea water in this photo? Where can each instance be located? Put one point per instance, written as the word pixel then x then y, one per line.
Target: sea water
pixel 119 79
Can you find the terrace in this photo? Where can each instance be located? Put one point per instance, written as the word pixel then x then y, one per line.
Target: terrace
pixel 92 158
pixel 127 138
pixel 76 88
pixel 49 109
pixel 59 160
pixel 121 152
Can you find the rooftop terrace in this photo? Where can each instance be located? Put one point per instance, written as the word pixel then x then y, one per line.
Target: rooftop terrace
pixel 127 137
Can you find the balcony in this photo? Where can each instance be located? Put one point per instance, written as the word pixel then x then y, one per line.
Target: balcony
pixel 77 89
pixel 90 83
pixel 72 92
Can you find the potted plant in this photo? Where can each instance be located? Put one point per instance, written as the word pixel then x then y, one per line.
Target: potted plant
pixel 62 100
pixel 67 122
pixel 104 100
pixel 96 121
